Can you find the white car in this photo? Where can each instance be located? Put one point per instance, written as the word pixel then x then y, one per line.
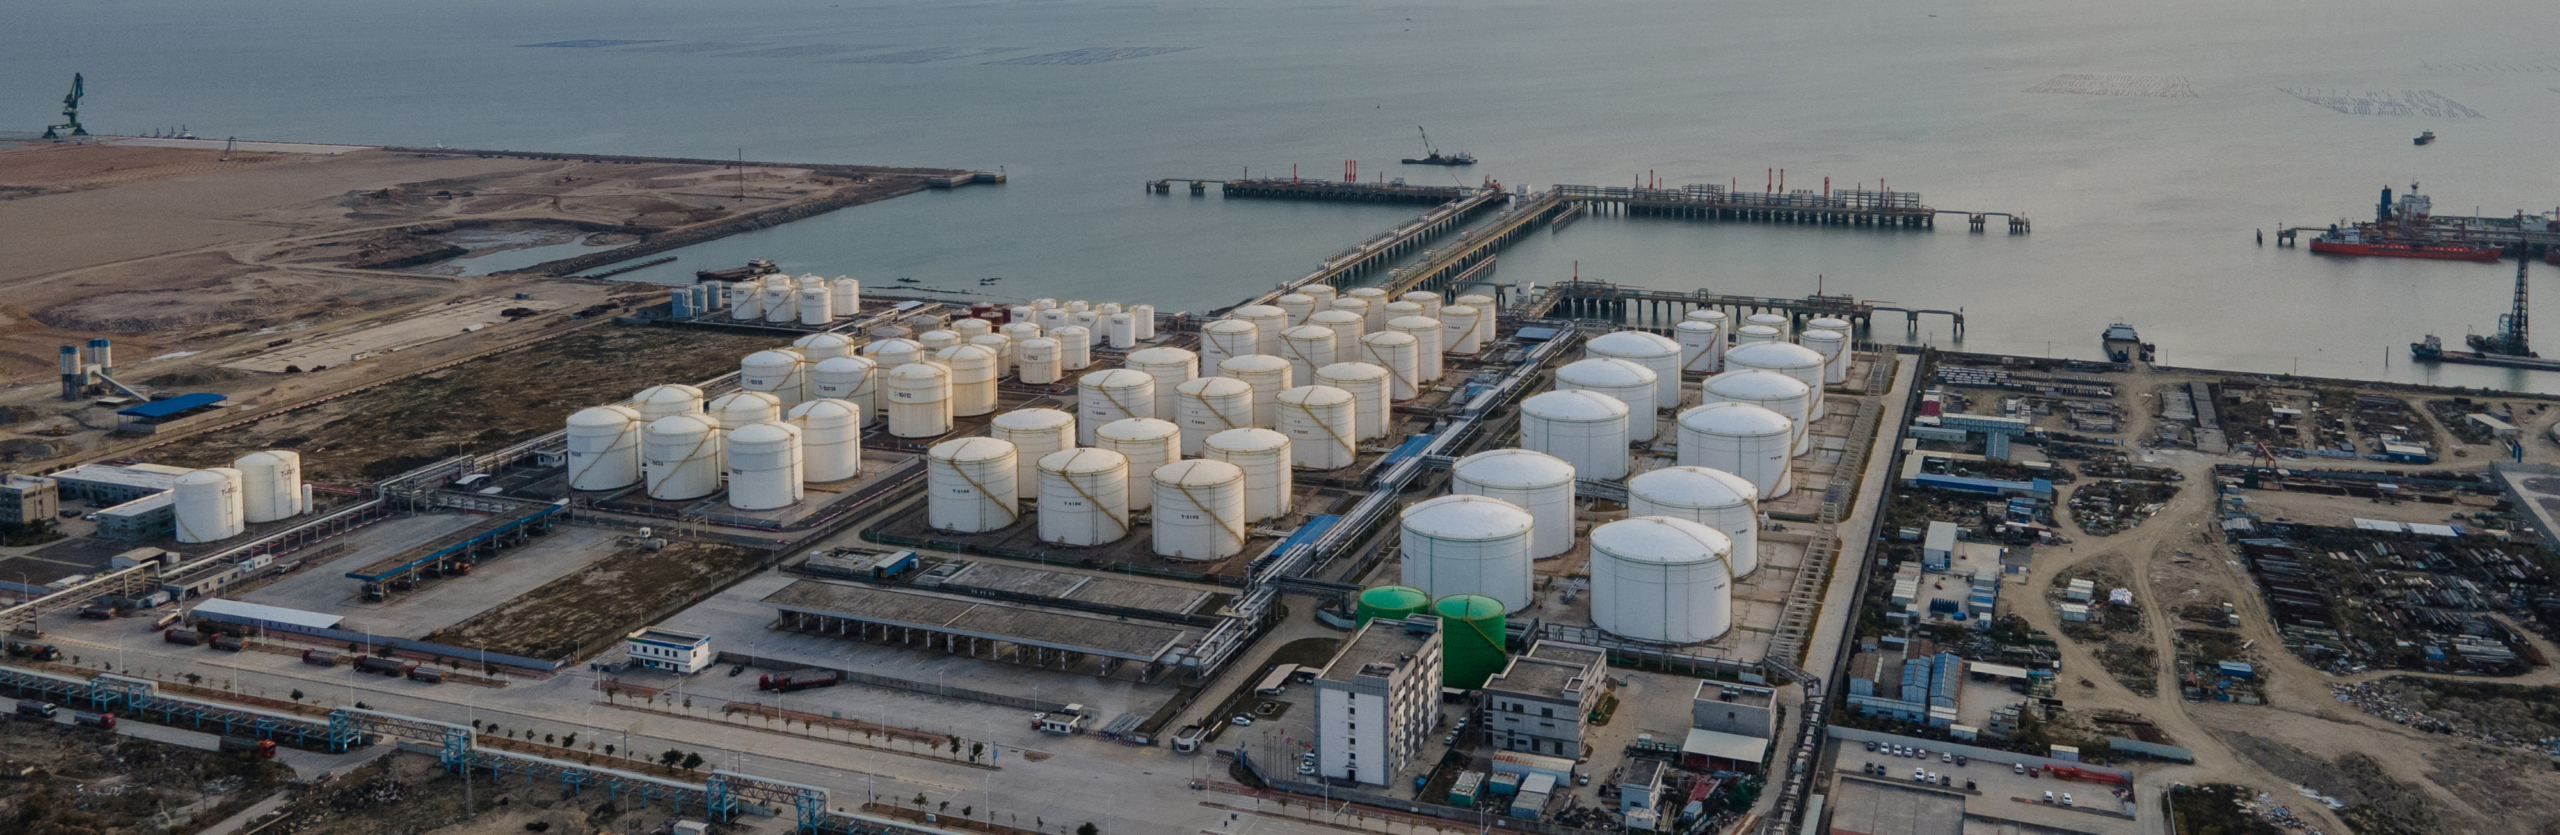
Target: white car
pixel 1306 768
pixel 1241 721
pixel 1919 775
pixel 2066 798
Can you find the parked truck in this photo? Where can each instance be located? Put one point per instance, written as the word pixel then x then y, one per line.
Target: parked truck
pixel 34 652
pixel 426 675
pixel 101 721
pixel 264 749
pixel 35 708
pixel 229 643
pixel 188 637
pixel 804 680
pixel 384 666
pixel 319 658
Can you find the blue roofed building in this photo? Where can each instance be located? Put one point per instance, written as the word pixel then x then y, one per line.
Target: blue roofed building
pixel 165 415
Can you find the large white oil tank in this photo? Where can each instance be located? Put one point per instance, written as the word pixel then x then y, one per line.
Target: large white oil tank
pixel 1752 442
pixel 1724 330
pixel 680 454
pixel 1712 316
pixel 1400 309
pixel 1053 318
pixel 1717 499
pixel 1373 310
pixel 846 296
pixel 1586 429
pixel 1322 293
pixel 746 301
pixel 820 347
pixel 1108 309
pixel 1345 326
pixel 919 400
pixel 1533 481
pixel 764 466
pixel 1426 344
pixel 830 439
pixel 1112 394
pixel 1039 361
pixel 1148 443
pixel 1828 323
pixel 1655 352
pixel 972 328
pixel 1078 306
pixel 1002 345
pixel 1307 348
pixel 1267 323
pixel 1632 384
pixel 1075 347
pixel 1661 579
pixel 969 484
pixel 1458 331
pixel 1171 367
pixel 1701 345
pixel 1223 339
pixel 1429 301
pixel 1486 313
pixel 739 408
pixel 817 306
pixel 781 372
pixel 1769 390
pixel 1124 331
pixel 1145 316
pixel 1777 321
pixel 1321 423
pixel 850 379
pixel 1208 406
pixel 1356 306
pixel 1756 334
pixel 1023 314
pixel 934 341
pixel 973 378
pixel 1371 396
pixel 1268 375
pixel 778 306
pixel 1019 330
pixel 1033 433
pixel 271 480
pixel 891 353
pixel 1263 456
pixel 1094 328
pixel 1084 497
pixel 1469 545
pixel 660 401
pixel 1400 354
pixel 1299 306
pixel 1800 362
pixel 209 506
pixel 1834 348
pixel 1199 510
pixel 604 449
pixel 1044 304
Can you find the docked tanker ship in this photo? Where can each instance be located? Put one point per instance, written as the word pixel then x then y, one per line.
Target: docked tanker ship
pixel 2405 230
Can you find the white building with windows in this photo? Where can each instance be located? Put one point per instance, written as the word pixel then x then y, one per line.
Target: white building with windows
pixel 665 649
pixel 1376 702
pixel 1538 704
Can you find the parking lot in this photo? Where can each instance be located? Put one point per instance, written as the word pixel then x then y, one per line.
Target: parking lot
pixel 1991 788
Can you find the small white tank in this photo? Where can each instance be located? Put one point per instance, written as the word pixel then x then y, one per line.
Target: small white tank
pixel 972 328
pixel 1711 316
pixel 1226 338
pixel 1263 455
pixel 1534 481
pixel 1112 394
pixel 739 408
pixel 1199 510
pixel 1398 353
pixel 1586 429
pixel 1307 348
pixel 851 379
pixel 1268 375
pixel 1053 318
pixel 1661 579
pixel 1775 321
pixel 830 439
pixel 1632 384
pixel 1044 304
pixel 1091 322
pixel 1748 335
pixel 1033 433
pixel 969 485
pixel 1426 344
pixel 1298 306
pixel 1828 323
pixel 891 353
pixel 1749 441
pixel 847 296
pixel 820 347
pixel 778 306
pixel 1002 345
pixel 1145 314
pixel 1075 347
pixel 1078 306
pixel 1148 443
pixel 817 306
pixel 1322 293
pixel 1084 497
pixel 1019 331
pixel 1107 309
pixel 934 341
pixel 208 505
pixel 780 372
pixel 1399 309
pixel 764 466
pixel 604 448
pixel 1208 406
pixel 1458 331
pixel 1321 423
pixel 1717 499
pixel 271 482
pixel 1124 331
pixel 1373 310
pixel 1359 306
pixel 1797 361
pixel 1486 313
pixel 746 301
pixel 1834 348
pixel 1655 352
pixel 1769 390
pixel 1040 361
pixel 1023 314
pixel 1469 545
pixel 1267 322
pixel 919 400
pixel 1701 345
pixel 1345 326
pixel 973 378
pixel 1371 396
pixel 680 454
pixel 1171 367
pixel 660 401
pixel 1429 301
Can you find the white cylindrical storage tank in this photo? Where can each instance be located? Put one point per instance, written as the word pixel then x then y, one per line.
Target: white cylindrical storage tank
pixel 1751 442
pixel 1322 425
pixel 1107 309
pixel 780 372
pixel 830 439
pixel 1268 375
pixel 1002 345
pixel 1655 352
pixel 1469 545
pixel 971 328
pixel 1226 338
pixel 1345 326
pixel 1091 322
pixel 846 295
pixel 746 301
pixel 1486 313
pixel 919 400
pixel 1430 302
pixel 680 454
pixel 764 466
pixel 778 306
pixel 1307 348
pixel 1199 510
pixel 604 449
pixel 1322 293
pixel 969 484
pixel 1724 329
pixel 1078 306
pixel 1145 315
pixel 208 505
pixel 1373 310
pixel 1775 321
pixel 1769 390
pixel 1208 406
pixel 1267 322
pixel 739 408
pixel 1019 331
pixel 973 378
pixel 1356 306
pixel 1263 456
pixel 1148 443
pixel 1458 330
pixel 1828 323
pixel 1075 347
pixel 1632 384
pixel 660 401
pixel 1426 344
pixel 1371 396
pixel 1755 334
pixel 1171 367
pixel 1834 348
pixel 1661 579
pixel 1124 331
pixel 820 347
pixel 1711 316
pixel 1533 481
pixel 1701 345
pixel 1717 499
pixel 1112 394
pixel 1084 497
pixel 1040 364
pixel 1804 364
pixel 1023 314
pixel 1033 433
pixel 1398 353
pixel 1586 429
pixel 1053 318
pixel 935 340
pixel 891 353
pixel 1298 306
pixel 271 480
pixel 1043 304
pixel 850 379
pixel 817 306
pixel 1400 309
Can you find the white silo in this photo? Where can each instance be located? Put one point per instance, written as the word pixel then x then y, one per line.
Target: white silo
pixel 1208 406
pixel 604 448
pixel 1226 338
pixel 746 301
pixel 891 353
pixel 1661 579
pixel 1797 361
pixel 1370 396
pixel 1717 499
pixel 1263 456
pixel 1019 330
pixel 1828 323
pixel 1095 330
pixel 850 379
pixel 1834 348
pixel 1534 481
pixel 739 408
pixel 1426 344
pixel 1039 361
pixel 1712 316
pixel 1769 390
pixel 1084 497
pixel 1307 348
pixel 1429 301
pixel 1078 306
pixel 1053 318
pixel 934 341
pixel 1199 510
pixel 660 401
pixel 847 295
pixel 969 484
pixel 764 466
pixel 1171 367
pixel 780 372
pixel 1148 443
pixel 1701 345
pixel 1373 309
pixel 1586 429
pixel 1124 331
pixel 271 483
pixel 1486 313
pixel 1469 545
pixel 1458 330
pixel 1003 346
pixel 1033 433
pixel 1112 394
pixel 919 400
pixel 1023 314
pixel 1107 309
pixel 972 328
pixel 1632 384
pixel 1749 441
pixel 1345 326
pixel 1075 347
pixel 1267 374
pixel 823 346
pixel 1400 354
pixel 1043 304
pixel 1400 309
pixel 830 439
pixel 680 454
pixel 817 306
pixel 973 378
pixel 778 306
pixel 1655 352
pixel 1322 293
pixel 1356 306
pixel 1267 323
pixel 1775 321
pixel 1299 306
pixel 208 505
pixel 1145 315
pixel 1321 422
pixel 1755 334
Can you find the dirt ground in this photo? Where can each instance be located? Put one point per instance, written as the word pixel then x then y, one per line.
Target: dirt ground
pixel 603 602
pixel 59 779
pixel 406 792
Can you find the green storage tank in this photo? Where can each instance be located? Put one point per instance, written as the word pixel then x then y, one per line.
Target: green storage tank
pixel 1392 603
pixel 1471 645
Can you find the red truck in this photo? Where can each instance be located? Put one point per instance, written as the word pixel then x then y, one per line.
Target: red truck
pixel 264 749
pixel 101 721
pixel 789 682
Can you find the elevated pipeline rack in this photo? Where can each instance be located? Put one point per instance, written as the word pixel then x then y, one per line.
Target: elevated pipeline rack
pixel 1292 188
pixel 1844 207
pixel 1658 310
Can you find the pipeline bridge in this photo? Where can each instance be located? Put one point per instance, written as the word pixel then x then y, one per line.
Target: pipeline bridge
pixel 1843 207
pixel 1658 310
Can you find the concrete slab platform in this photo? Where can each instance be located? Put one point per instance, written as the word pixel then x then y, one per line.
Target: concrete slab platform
pixel 445 602
pixel 435 323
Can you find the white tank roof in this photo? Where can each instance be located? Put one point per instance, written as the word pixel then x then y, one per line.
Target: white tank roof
pixel 1348 371
pixel 1228 326
pixel 835 364
pixel 1466 518
pixel 1740 419
pixel 1774 355
pixel 1214 386
pixel 760 433
pixel 669 394
pixel 1315 396
pixel 594 417
pixel 1333 316
pixel 1249 439
pixel 1122 378
pixel 1083 460
pixel 1515 468
pixel 1138 429
pixel 1250 363
pixel 1606 371
pixel 1160 356
pixel 1033 419
pixel 1661 539
pixel 918 371
pixel 826 411
pixel 1755 383
pixel 1198 472
pixel 1576 405
pixel 958 450
pixel 1699 487
pixel 1390 338
pixel 1631 344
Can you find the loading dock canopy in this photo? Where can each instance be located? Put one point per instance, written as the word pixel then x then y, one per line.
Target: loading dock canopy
pixel 262 615
pixel 1011 623
pixel 171 406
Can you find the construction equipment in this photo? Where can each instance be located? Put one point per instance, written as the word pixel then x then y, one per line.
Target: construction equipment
pixel 1432 156
pixel 70 112
pixel 2511 338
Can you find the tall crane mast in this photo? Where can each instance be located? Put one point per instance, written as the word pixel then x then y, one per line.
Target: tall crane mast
pixel 2513 337
pixel 70 112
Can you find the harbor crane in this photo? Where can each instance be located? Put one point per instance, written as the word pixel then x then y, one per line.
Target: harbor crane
pixel 70 112
pixel 2512 337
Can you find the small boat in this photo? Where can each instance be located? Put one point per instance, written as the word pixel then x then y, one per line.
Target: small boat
pixel 1434 157
pixel 2424 137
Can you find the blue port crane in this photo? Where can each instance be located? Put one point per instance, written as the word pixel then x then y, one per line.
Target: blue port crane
pixel 70 112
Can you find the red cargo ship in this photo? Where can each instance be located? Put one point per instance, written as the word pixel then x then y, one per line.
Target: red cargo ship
pixel 2350 245
pixel 2399 230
